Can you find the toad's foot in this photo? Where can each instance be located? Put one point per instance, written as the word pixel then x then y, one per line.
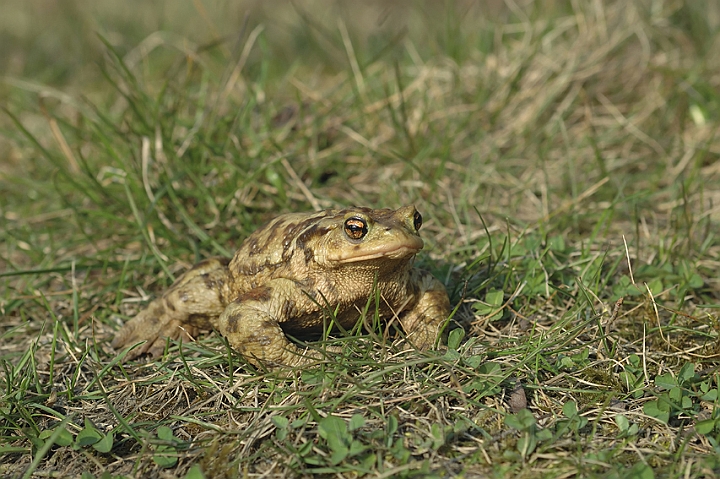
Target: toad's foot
pixel 155 332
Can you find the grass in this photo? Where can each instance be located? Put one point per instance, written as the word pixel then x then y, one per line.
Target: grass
pixel 565 158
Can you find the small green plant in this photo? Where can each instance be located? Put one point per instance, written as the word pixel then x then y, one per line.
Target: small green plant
pixel 63 438
pixel 631 377
pixel 165 444
pixel 488 378
pixel 530 434
pixel 574 361
pixel 624 288
pixel 338 435
pixel 680 395
pixel 166 451
pixel 573 421
pixel 195 473
pixel 683 277
pixel 626 429
pixel 492 306
pixel 640 470
pixel 104 475
pixel 90 436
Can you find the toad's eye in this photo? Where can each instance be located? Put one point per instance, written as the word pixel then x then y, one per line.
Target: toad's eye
pixel 417 220
pixel 356 228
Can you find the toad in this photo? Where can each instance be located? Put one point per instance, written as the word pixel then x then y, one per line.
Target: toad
pixel 294 277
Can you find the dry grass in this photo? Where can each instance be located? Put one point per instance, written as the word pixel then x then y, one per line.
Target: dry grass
pixel 564 156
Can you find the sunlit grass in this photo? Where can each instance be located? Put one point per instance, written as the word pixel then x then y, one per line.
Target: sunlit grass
pixel 565 161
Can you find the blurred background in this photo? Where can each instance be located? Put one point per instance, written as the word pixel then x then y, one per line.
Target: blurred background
pixel 513 108
pixel 57 42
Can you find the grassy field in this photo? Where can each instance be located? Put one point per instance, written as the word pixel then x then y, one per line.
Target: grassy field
pixel 565 157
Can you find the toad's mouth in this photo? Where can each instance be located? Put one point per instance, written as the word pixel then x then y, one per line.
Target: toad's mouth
pixel 397 251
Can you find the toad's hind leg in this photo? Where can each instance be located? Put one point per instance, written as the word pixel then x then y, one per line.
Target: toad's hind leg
pixel 193 301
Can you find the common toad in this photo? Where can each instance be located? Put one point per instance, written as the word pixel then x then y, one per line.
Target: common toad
pixel 290 276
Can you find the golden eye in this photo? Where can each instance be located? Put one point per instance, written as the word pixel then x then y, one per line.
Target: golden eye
pixel 355 228
pixel 417 220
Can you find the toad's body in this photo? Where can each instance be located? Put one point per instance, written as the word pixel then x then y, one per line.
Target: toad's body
pixel 290 276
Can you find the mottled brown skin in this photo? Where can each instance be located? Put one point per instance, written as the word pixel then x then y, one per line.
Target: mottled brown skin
pixel 286 278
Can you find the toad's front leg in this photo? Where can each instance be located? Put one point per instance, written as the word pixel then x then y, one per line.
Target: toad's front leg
pixel 193 301
pixel 425 322
pixel 251 324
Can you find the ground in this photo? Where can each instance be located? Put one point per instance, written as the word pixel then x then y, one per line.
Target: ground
pixel 564 156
